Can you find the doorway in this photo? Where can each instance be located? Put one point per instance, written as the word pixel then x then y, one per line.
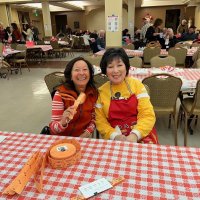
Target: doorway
pixel 61 22
pixel 172 19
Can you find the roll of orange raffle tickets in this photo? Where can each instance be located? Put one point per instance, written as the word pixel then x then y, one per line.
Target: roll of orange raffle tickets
pixel 60 155
pixel 64 153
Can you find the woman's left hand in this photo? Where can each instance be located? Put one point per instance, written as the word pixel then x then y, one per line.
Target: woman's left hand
pixel 132 138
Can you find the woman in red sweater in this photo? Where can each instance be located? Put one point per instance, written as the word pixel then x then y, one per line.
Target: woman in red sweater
pixel 66 120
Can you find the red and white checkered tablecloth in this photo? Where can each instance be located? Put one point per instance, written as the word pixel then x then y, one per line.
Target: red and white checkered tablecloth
pixel 150 171
pixel 189 76
pixel 139 53
pixel 43 47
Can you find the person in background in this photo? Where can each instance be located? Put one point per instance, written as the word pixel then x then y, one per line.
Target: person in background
pixel 126 37
pixel 68 30
pixel 123 109
pixel 2 33
pixel 35 32
pixel 146 25
pixel 182 27
pixel 190 35
pixel 101 44
pixel 79 78
pixel 28 33
pixel 93 41
pixel 169 39
pixel 154 32
pixel 8 36
pixel 16 35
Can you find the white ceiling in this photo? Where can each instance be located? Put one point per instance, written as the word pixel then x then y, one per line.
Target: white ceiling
pixel 70 5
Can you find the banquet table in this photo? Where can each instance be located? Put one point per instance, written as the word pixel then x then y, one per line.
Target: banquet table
pixel 189 76
pixel 10 52
pixel 139 53
pixel 42 47
pixel 150 171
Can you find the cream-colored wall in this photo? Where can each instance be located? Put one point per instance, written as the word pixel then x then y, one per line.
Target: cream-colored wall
pixel 95 20
pixel 159 12
pixel 71 18
pixel 3 15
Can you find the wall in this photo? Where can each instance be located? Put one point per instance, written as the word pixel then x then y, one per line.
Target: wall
pixel 71 18
pixel 95 20
pixel 3 15
pixel 159 12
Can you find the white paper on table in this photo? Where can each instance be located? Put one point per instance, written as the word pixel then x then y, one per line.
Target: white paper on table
pixel 141 71
pixel 156 71
pixel 2 138
pixel 94 188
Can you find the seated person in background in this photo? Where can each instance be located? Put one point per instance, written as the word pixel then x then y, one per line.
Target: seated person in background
pixel 123 109
pixel 66 120
pixel 101 40
pixel 169 39
pixel 190 35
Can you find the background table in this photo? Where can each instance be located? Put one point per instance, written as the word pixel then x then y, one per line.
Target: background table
pixel 150 171
pixel 189 76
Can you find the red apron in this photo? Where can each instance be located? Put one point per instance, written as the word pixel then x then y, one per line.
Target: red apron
pixel 123 113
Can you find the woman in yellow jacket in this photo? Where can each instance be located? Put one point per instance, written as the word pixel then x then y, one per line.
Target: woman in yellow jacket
pixel 123 109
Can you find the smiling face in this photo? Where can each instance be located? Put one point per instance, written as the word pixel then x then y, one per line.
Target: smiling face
pixel 116 71
pixel 80 74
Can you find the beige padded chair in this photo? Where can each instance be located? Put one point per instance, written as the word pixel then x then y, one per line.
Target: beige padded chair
pixel 136 62
pixel 164 91
pixel 20 59
pixel 94 60
pixel 148 53
pixel 100 79
pixel 159 61
pixel 129 46
pixel 57 50
pixel 198 63
pixel 191 106
pixel 179 54
pixel 185 45
pixel 52 80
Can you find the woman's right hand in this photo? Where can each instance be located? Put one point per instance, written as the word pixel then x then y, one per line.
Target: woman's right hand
pixel 120 138
pixel 68 115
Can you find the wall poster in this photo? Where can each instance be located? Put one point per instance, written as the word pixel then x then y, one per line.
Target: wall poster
pixel 112 23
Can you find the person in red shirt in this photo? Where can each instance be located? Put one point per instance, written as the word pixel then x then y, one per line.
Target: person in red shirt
pixel 66 120
pixel 16 35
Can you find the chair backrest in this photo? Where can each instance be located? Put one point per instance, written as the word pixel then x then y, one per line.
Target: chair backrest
pixel 179 54
pixel 129 46
pixel 23 48
pixel 94 60
pixel 164 91
pixel 198 63
pixel 153 44
pixel 52 80
pixel 185 45
pixel 150 52
pixel 136 61
pixel 196 106
pixel 54 44
pixel 159 61
pixel 13 45
pixel 100 79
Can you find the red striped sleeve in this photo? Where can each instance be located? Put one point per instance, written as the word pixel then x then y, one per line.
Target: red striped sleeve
pixel 57 112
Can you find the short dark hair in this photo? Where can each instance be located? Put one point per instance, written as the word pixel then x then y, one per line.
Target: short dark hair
pixel 112 54
pixel 68 72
